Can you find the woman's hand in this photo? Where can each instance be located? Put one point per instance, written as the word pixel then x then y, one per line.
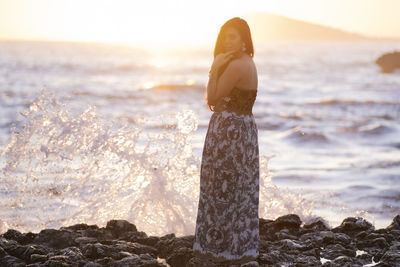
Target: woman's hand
pixel 221 59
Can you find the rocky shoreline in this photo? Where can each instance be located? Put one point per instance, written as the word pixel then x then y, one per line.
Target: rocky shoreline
pixel 285 241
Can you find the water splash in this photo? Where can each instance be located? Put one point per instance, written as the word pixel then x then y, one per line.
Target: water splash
pixel 64 166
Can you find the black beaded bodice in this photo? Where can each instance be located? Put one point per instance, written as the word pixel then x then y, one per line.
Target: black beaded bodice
pixel 239 101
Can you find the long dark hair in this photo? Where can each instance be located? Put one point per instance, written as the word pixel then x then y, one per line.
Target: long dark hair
pixel 244 31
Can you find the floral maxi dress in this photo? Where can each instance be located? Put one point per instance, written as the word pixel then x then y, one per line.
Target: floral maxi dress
pixel 227 226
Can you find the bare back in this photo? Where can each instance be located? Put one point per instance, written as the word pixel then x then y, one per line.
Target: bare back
pixel 249 81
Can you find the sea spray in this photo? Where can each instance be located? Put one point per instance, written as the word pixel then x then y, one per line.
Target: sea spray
pixel 67 165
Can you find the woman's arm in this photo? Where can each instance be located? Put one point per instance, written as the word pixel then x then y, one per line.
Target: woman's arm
pixel 212 86
pixel 219 61
pixel 216 89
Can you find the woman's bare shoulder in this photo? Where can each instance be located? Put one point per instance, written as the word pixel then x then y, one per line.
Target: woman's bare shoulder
pixel 242 62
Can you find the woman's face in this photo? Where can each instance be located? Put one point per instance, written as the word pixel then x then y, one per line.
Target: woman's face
pixel 232 40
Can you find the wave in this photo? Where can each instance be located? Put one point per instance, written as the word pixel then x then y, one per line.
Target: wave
pixel 173 87
pixel 299 136
pixel 369 129
pixel 90 169
pixel 347 102
pixel 384 164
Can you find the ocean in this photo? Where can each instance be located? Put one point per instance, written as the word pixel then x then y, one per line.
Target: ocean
pixel 91 132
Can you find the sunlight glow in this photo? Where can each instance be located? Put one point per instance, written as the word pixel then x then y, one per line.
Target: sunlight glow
pixel 177 23
pixel 145 23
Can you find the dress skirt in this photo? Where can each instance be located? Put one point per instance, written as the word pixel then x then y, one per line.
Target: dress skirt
pixel 227 224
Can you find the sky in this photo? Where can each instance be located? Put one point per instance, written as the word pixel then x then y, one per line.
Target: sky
pixel 184 22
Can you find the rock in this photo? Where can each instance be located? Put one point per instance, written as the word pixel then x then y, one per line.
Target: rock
pixel 2 252
pixel 341 238
pixel 343 261
pixel 197 262
pixel 392 255
pixel 142 260
pixel 313 237
pixel 379 242
pixel 283 242
pixel 250 264
pixel 85 240
pixel 73 254
pixel 169 243
pixel 38 258
pixel 267 229
pixel 273 257
pixel 327 237
pixel 117 227
pixel 101 234
pixel 22 239
pixel 395 225
pixel 34 250
pixel 284 234
pixel 389 62
pixel 95 251
pixel 57 262
pixel 92 264
pixel 317 224
pixel 288 221
pixel 57 239
pixel 113 249
pixel 8 260
pixel 351 226
pixel 180 257
pixel 305 261
pixel 79 226
pixel 336 250
pixel 106 261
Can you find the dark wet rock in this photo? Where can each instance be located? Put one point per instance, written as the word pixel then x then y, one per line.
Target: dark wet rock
pixel 2 252
pixel 92 264
pixel 273 257
pixel 382 264
pixel 395 225
pixel 143 260
pixel 80 226
pixel 351 226
pixel 392 255
pixel 113 249
pixel 101 234
pixel 169 243
pixel 389 62
pixel 196 262
pixel 118 227
pixel 9 260
pixel 38 258
pixel 364 259
pixel 267 229
pixel 318 224
pixel 379 242
pixel 72 254
pixel 5 244
pixel 283 242
pixel 22 239
pixel 57 239
pixel 180 256
pixel 283 227
pixel 333 251
pixel 82 240
pixel 288 221
pixel 343 261
pixel 33 250
pixel 106 261
pixel 305 261
pixel 341 239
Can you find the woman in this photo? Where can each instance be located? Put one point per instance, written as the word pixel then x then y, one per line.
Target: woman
pixel 227 226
